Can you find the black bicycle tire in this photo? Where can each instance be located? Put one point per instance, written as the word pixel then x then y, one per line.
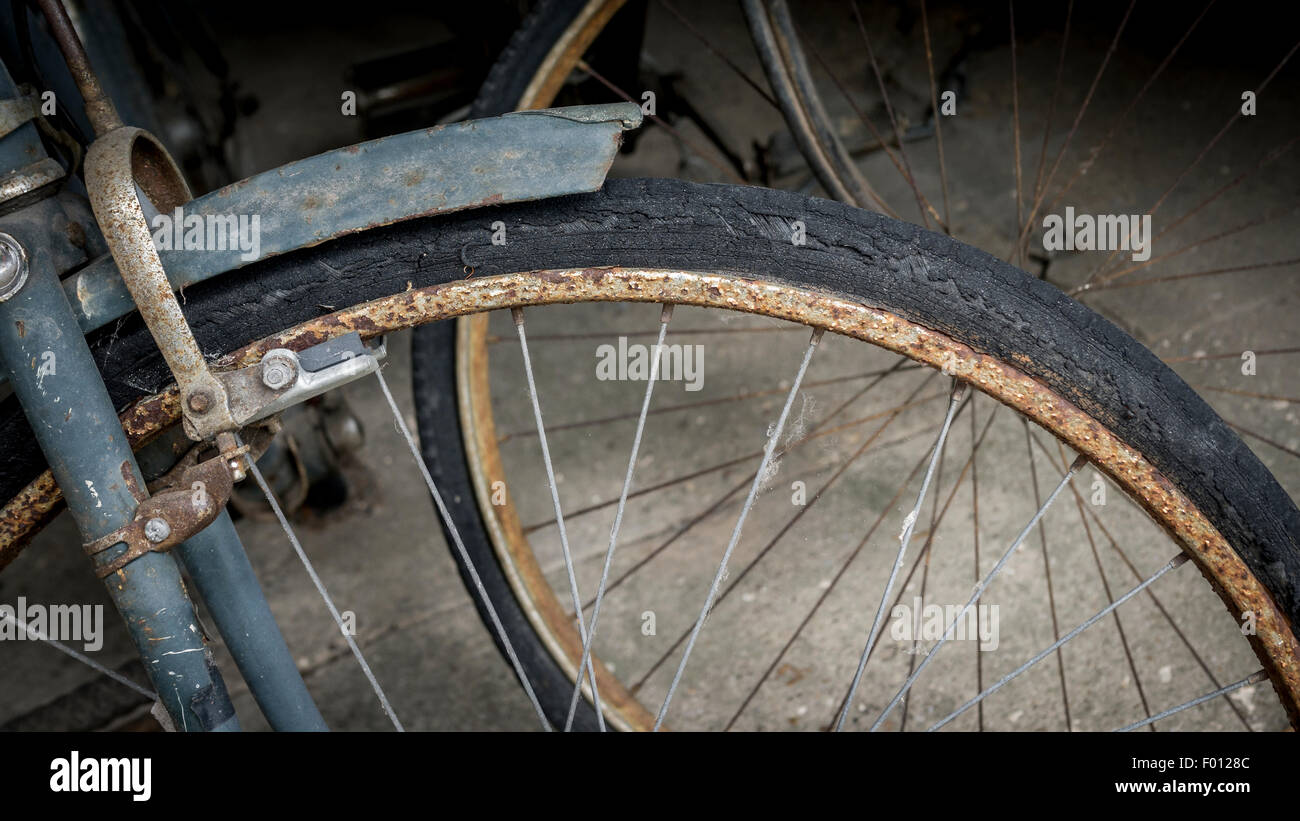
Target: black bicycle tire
pixel 434 346
pixel 924 277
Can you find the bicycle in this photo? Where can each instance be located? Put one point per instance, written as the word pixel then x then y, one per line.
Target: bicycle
pixel 876 290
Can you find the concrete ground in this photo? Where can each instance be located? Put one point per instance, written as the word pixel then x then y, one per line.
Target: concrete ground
pixel 382 556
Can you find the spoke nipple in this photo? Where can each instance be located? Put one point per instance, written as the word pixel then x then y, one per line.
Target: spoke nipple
pixel 1079 462
pixel 517 314
pixel 816 336
pixel 667 313
pixel 959 389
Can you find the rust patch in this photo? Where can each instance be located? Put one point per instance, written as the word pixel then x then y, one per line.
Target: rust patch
pixel 25 514
pixel 178 506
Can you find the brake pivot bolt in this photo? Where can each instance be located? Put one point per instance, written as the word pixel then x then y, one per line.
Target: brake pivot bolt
pixel 278 371
pixel 156 529
pixel 200 401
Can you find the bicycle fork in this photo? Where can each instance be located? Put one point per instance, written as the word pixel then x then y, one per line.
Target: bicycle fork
pixel 125 529
pixel 57 382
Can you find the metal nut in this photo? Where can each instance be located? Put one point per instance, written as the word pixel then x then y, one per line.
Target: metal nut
pixel 279 370
pixel 200 402
pixel 155 530
pixel 13 267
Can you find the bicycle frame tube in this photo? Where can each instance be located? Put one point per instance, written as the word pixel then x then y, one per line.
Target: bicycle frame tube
pixel 57 382
pixel 227 584
pixel 220 570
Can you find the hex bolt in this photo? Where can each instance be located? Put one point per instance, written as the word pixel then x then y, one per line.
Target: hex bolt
pixel 156 529
pixel 279 370
pixel 200 401
pixel 13 267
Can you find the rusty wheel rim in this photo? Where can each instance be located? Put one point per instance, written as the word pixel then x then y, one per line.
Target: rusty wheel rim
pixel 1274 643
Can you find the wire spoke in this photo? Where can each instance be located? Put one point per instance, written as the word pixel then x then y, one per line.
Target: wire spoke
pixel 1155 600
pixel 1017 249
pixel 1228 186
pixel 731 64
pixel 824 594
pixel 1047 571
pixel 927 550
pixel 975 538
pixel 1095 152
pixel 1261 437
pixel 1096 278
pixel 701 152
pixel 1253 678
pixel 812 502
pixel 979 591
pixel 1259 91
pixel 462 552
pixel 664 317
pixel 770 544
pixel 1025 227
pixel 1105 586
pixel 922 204
pixel 1272 397
pixel 1175 562
pixel 772 438
pixel 935 115
pixel 1133 283
pixel 702 403
pixel 1204 357
pixel 324 594
pixel 909 524
pixel 848 561
pixel 84 659
pixel 580 336
pixel 817 433
pixel 518 315
pixel 1056 95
